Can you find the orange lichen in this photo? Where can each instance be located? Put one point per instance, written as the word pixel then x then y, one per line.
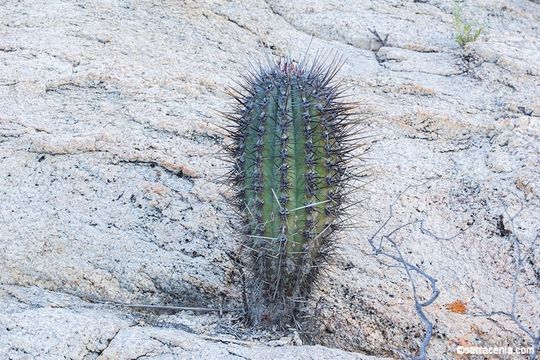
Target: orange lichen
pixel 458 307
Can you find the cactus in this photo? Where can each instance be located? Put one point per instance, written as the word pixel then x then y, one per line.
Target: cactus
pixel 290 146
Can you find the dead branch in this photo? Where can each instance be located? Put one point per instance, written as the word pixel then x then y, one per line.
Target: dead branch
pixel 397 257
pixel 519 258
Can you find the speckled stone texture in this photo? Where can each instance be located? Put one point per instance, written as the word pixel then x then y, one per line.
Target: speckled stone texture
pixel 111 169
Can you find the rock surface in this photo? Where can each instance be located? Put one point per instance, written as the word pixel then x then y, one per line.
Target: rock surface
pixel 39 324
pixel 111 168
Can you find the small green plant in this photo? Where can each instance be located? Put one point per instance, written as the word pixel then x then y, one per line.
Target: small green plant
pixel 465 32
pixel 292 138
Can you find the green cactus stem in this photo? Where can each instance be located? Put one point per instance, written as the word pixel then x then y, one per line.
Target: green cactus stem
pixel 291 145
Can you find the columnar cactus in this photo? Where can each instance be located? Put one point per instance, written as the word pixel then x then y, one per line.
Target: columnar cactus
pixel 290 148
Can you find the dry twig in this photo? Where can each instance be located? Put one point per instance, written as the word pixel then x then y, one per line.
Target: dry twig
pixel 519 258
pixel 410 269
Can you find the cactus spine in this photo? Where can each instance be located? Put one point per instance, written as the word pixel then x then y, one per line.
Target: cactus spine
pixel 290 148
